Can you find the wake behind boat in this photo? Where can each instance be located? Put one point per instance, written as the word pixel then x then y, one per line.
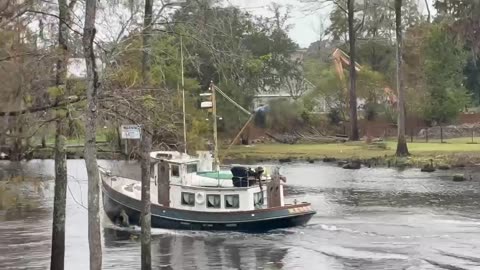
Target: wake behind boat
pixel 187 194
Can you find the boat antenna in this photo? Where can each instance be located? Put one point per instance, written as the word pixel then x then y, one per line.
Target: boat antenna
pixel 183 98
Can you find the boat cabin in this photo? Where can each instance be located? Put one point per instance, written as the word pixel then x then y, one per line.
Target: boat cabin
pixel 185 182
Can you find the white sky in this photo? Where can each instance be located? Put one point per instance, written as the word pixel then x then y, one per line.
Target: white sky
pixel 306 18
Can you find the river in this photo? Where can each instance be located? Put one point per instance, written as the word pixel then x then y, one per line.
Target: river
pixel 367 219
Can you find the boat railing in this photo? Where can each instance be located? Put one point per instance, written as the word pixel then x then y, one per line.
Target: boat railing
pixel 215 188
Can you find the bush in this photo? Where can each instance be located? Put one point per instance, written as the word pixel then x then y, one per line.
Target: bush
pixel 284 115
pixel 372 110
pixel 197 133
pixel 390 115
pixel 334 116
pixel 111 136
pixel 76 128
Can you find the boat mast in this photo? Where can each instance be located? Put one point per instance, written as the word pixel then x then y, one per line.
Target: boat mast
pixel 183 99
pixel 211 105
pixel 216 164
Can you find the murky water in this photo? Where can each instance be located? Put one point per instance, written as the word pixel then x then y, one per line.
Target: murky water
pixel 367 219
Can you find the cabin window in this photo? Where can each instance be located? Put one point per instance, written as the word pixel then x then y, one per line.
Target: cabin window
pixel 213 201
pixel 175 170
pixel 188 199
pixel 232 201
pixel 258 199
pixel 191 168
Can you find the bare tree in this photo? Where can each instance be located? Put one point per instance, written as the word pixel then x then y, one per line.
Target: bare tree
pixel 58 226
pixel 146 253
pixel 94 234
pixel 145 148
pixel 402 149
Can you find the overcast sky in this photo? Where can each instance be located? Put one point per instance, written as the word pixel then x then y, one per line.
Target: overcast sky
pixel 306 19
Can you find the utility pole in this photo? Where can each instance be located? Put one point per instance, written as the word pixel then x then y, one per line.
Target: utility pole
pixel 215 138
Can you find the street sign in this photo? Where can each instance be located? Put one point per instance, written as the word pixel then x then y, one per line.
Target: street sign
pixel 133 132
pixel 206 104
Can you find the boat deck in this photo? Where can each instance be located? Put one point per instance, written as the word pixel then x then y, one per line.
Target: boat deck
pixel 131 187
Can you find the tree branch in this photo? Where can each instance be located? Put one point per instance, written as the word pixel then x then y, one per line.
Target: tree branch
pixel 43 108
pixel 64 22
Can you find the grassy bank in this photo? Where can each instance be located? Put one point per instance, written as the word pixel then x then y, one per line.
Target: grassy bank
pixel 76 151
pixel 456 152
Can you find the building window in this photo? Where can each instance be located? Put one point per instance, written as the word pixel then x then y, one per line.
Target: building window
pixel 188 199
pixel 258 199
pixel 191 168
pixel 232 201
pixel 175 170
pixel 213 201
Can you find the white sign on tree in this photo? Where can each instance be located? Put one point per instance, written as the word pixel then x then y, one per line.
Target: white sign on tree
pixel 132 132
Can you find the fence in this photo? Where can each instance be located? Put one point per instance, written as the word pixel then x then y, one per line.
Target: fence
pixel 466 130
pixel 439 134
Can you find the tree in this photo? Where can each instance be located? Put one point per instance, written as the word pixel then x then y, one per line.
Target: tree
pixel 146 253
pixel 353 73
pixel 60 197
pixel 463 22
pixel 402 149
pixel 242 54
pixel 94 233
pixel 446 95
pixel 376 17
pixel 375 31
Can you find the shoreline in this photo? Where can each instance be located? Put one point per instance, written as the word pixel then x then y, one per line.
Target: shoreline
pixel 438 162
pixel 249 155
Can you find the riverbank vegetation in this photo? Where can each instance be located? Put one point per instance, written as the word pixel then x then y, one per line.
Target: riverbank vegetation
pixel 69 67
pixel 246 56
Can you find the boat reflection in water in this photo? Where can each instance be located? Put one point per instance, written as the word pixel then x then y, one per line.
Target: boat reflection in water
pixel 201 250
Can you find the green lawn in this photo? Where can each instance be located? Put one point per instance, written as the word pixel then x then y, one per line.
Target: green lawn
pixel 349 150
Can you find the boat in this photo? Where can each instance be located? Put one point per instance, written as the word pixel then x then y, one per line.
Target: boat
pixel 187 194
pixel 193 193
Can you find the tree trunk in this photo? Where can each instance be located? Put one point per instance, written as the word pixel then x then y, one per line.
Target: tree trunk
pixel 353 73
pixel 146 253
pixel 402 149
pixel 147 31
pixel 44 141
pixel 428 10
pixel 60 196
pixel 94 234
pixel 60 199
